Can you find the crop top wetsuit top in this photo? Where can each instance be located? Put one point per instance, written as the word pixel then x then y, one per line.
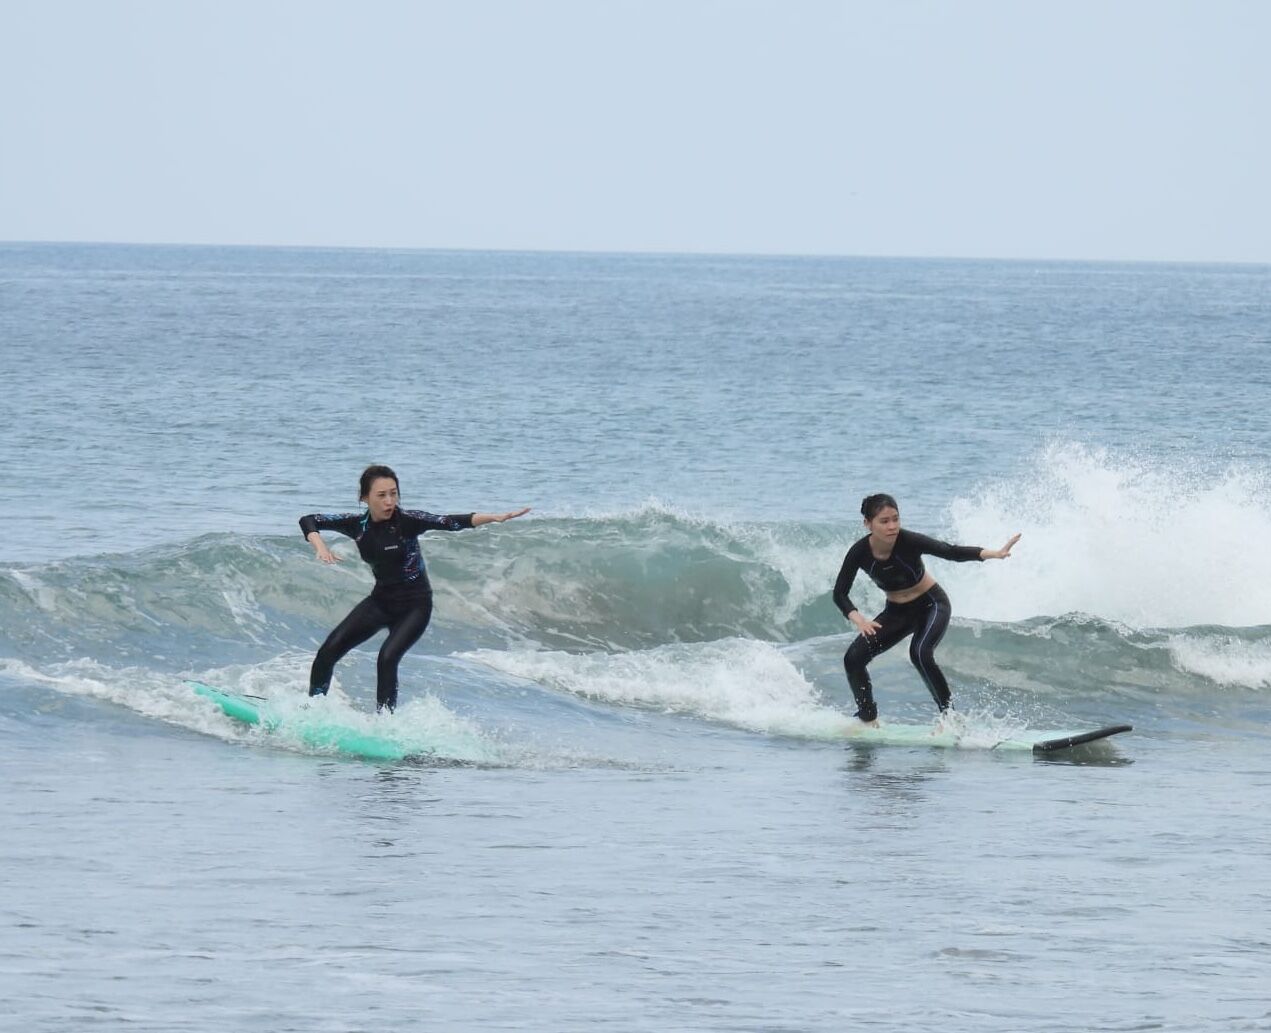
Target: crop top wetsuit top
pixel 391 546
pixel 902 569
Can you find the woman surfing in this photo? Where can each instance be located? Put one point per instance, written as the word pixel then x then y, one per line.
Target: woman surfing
pixel 892 558
pixel 387 538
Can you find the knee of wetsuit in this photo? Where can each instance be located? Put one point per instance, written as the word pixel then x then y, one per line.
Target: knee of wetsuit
pixel 857 656
pixel 318 690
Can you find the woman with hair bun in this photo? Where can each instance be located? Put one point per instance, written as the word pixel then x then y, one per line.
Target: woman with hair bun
pixel 388 539
pixel 892 558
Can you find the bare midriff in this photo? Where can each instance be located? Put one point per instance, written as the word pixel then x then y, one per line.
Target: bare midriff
pixel 908 595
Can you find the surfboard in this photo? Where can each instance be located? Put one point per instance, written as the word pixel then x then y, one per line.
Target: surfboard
pixel 315 730
pixel 981 739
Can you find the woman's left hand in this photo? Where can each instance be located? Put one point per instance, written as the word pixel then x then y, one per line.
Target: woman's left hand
pixel 510 516
pixel 1004 552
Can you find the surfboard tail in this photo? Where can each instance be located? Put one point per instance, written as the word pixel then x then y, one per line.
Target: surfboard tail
pixel 1068 741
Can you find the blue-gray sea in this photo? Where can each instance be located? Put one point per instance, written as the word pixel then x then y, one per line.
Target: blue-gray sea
pixel 636 806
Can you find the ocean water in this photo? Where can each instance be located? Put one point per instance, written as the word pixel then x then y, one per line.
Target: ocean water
pixel 637 805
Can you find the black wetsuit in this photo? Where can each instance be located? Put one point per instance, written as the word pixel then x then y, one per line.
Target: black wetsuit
pixel 926 618
pixel 401 600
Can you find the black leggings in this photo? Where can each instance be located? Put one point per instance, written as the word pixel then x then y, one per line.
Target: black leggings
pixel 927 619
pixel 405 621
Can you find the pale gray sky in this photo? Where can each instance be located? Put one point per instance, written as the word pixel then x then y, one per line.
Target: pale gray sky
pixel 1121 129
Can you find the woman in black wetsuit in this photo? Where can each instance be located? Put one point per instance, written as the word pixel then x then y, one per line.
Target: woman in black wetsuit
pixel 916 605
pixel 401 601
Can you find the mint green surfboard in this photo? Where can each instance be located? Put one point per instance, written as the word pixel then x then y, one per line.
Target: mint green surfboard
pixel 975 739
pixel 318 733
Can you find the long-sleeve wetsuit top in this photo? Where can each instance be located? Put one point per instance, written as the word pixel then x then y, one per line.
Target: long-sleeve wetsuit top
pixel 902 569
pixel 390 546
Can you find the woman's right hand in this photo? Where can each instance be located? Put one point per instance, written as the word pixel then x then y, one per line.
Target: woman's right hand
pixel 320 549
pixel 864 625
pixel 326 555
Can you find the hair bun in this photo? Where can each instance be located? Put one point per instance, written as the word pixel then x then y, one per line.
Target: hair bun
pixel 872 505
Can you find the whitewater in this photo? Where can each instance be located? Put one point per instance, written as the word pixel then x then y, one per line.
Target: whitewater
pixel 633 803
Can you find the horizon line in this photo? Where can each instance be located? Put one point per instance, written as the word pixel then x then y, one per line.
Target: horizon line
pixel 633 253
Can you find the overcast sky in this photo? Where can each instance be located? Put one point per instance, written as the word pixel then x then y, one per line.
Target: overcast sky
pixel 1120 129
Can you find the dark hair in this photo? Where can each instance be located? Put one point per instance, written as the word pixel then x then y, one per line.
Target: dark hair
pixel 370 475
pixel 872 505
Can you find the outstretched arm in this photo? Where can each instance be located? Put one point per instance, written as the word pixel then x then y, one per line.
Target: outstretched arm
pixel 497 518
pixel 957 553
pixel 417 521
